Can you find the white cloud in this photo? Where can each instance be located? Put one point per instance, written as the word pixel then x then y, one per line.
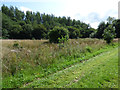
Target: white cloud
pixel 95 24
pixel 22 8
pixel 91 11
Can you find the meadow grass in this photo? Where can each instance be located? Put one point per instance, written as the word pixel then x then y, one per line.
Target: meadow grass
pixel 98 72
pixel 26 60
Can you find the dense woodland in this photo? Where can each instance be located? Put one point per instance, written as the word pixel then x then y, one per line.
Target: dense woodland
pixel 35 25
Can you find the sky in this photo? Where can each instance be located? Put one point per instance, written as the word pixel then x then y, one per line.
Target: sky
pixel 89 11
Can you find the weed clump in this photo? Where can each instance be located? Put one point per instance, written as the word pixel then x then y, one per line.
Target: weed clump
pixel 17 45
pixel 89 49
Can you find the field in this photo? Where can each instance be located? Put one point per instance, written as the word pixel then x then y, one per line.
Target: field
pixel 81 63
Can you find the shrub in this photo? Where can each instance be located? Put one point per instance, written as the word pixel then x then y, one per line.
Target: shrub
pixel 89 49
pixel 108 37
pixel 109 34
pixel 58 33
pixel 61 41
pixel 16 45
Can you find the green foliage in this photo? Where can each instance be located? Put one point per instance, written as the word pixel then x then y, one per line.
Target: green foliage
pixel 74 32
pixel 109 34
pixel 7 23
pixel 15 31
pixel 13 16
pixel 39 31
pixel 4 33
pixel 19 15
pixel 117 28
pixel 69 21
pixel 62 41
pixel 22 23
pixel 93 34
pixel 86 30
pixel 100 30
pixel 5 9
pixel 38 18
pixel 58 33
pixel 26 33
pixel 89 49
pixel 16 45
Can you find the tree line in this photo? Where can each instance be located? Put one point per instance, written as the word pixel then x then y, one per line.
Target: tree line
pixel 34 25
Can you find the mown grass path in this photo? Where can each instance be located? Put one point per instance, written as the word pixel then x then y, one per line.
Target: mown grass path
pixel 98 72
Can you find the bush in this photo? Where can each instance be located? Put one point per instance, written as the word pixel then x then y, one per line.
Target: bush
pixel 109 34
pixel 16 45
pixel 58 33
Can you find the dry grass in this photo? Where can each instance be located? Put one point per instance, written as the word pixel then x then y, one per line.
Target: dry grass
pixel 32 53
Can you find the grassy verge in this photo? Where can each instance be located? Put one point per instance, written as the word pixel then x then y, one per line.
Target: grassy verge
pixel 98 72
pixel 46 59
pixel 103 75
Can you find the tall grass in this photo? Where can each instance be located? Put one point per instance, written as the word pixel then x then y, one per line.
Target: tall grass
pixel 28 60
pixel 23 54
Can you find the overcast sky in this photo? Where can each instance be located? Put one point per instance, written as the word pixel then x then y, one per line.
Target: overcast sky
pixel 89 11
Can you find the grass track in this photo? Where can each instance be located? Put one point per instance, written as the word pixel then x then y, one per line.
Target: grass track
pixel 98 72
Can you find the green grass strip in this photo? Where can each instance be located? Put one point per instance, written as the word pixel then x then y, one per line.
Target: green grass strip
pixel 98 72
